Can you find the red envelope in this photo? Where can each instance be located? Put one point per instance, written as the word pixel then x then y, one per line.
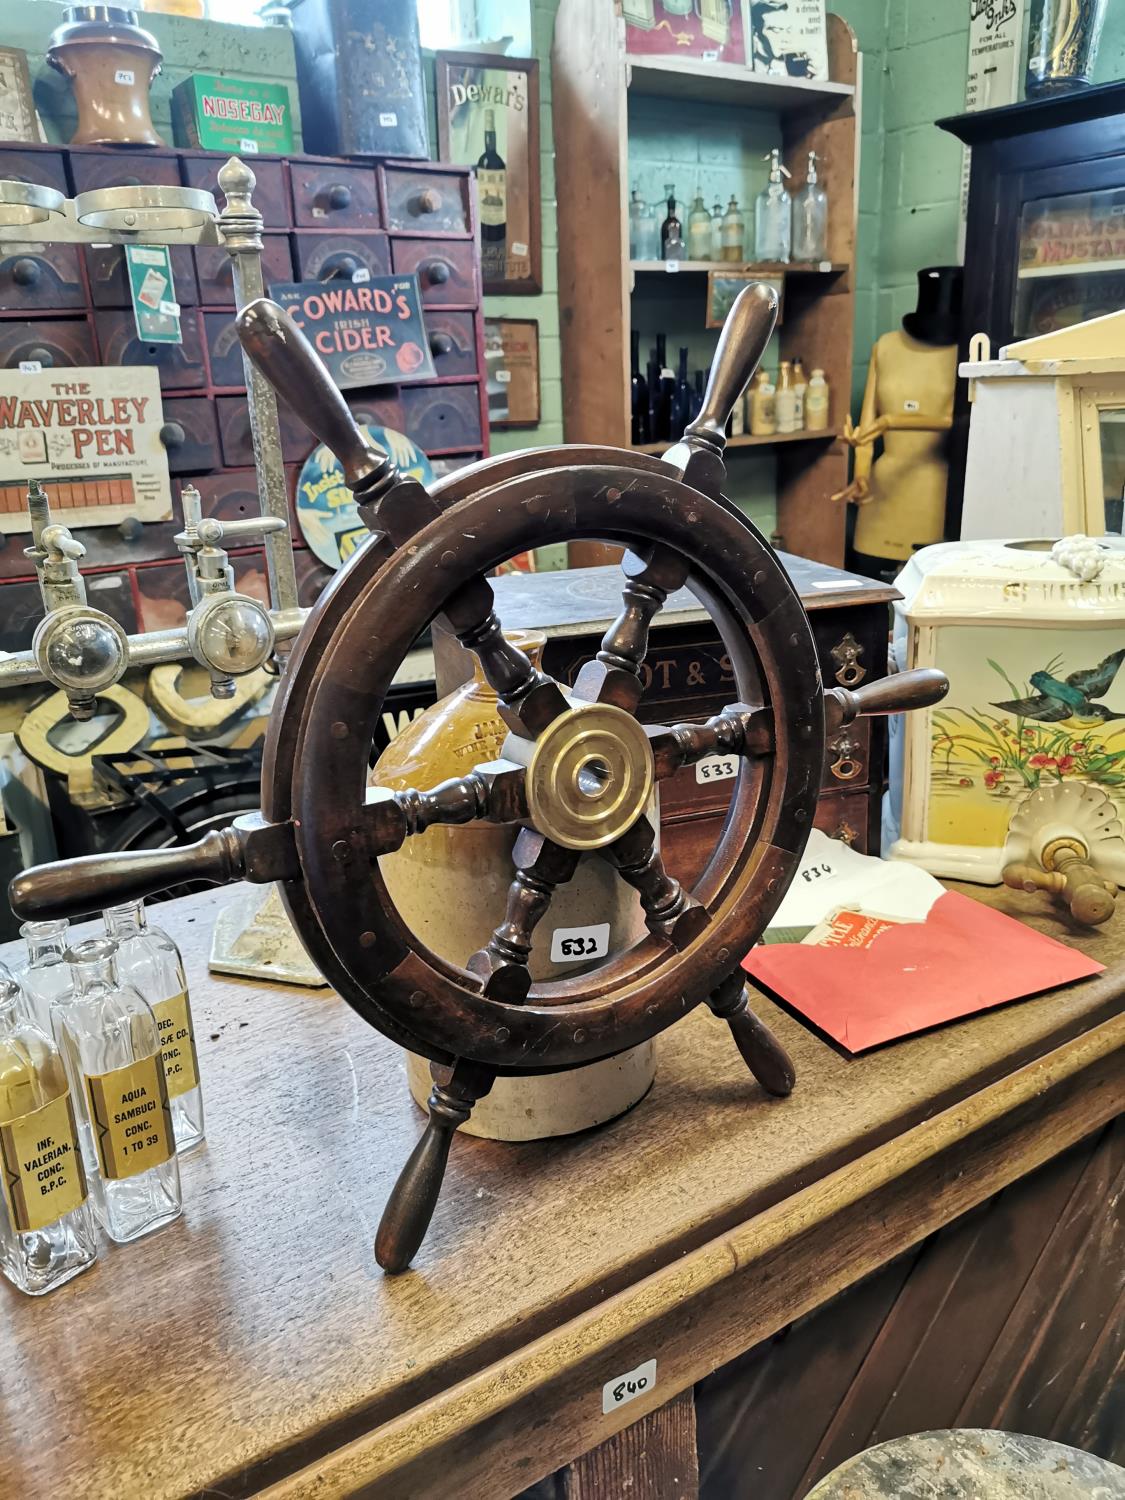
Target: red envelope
pixel 965 957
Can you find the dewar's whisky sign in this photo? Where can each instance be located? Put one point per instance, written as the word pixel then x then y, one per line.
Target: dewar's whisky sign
pixel 92 437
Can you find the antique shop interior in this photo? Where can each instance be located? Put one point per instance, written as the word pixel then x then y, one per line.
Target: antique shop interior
pixel 562 749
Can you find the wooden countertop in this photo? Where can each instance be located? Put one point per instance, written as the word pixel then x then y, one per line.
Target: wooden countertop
pixel 255 1344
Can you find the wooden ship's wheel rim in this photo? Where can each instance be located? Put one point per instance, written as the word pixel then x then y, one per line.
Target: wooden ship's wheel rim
pixel 316 759
pixel 321 838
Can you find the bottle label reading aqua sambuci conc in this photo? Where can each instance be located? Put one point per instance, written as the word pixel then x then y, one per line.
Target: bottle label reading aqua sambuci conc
pixel 131 1117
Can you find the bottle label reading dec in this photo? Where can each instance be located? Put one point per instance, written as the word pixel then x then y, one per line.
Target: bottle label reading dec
pixel 131 1118
pixel 177 1044
pixel 41 1166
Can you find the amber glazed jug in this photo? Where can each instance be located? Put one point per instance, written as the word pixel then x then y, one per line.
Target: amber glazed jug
pixel 449 885
pixel 111 62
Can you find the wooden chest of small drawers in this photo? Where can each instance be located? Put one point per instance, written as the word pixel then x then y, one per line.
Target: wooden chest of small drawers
pixel 688 677
pixel 66 306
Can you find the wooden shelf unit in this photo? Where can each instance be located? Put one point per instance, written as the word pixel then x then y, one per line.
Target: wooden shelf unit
pixel 591 78
pixel 729 83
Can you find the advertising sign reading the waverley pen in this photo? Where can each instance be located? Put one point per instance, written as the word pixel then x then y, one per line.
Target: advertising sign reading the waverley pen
pixel 92 436
pixel 367 333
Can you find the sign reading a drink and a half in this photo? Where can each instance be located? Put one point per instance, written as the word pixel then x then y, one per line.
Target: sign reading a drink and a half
pixel 92 437
pixel 367 333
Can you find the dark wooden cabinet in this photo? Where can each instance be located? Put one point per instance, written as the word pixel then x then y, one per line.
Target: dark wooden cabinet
pixel 67 306
pixel 1043 245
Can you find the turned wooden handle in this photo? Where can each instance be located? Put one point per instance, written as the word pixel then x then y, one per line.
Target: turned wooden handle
pixel 73 887
pixel 1084 891
pixel 292 366
pixel 742 343
pixel 414 1196
pixel 762 1053
pixel 413 1199
pixel 897 694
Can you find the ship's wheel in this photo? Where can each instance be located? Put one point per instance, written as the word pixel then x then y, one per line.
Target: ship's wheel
pixel 578 769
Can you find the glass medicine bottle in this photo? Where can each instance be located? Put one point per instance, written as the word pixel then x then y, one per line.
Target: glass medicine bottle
pixel 810 218
pixel 786 399
pixel 47 1231
pixel 671 231
pixel 772 217
pixel 45 978
pixel 699 231
pixel 733 235
pixel 149 960
pixel 109 1038
pixel 763 406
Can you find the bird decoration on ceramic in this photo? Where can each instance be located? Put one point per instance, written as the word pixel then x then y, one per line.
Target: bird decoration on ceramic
pixel 1073 698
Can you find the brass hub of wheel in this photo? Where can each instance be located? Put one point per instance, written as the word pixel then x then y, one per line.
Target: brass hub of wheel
pixel 590 777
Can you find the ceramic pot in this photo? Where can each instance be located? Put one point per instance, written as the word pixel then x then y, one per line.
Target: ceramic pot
pixel 111 62
pixel 450 884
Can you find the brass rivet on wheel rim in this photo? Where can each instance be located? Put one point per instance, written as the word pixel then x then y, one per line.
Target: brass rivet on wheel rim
pixel 590 776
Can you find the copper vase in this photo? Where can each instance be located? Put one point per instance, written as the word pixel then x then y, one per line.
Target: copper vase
pixel 111 62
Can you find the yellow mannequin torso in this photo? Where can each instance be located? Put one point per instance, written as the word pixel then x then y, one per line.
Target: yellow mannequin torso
pixel 907 505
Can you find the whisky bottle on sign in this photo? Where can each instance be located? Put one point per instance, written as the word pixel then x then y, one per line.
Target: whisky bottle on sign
pixel 492 189
pixel 47 1231
pixel 111 1046
pixel 149 960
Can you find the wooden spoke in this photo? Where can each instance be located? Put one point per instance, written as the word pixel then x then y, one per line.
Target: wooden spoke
pixel 615 675
pixel 541 866
pixel 761 1051
pixel 738 730
pixel 414 1196
pixel 493 792
pixel 670 912
pixel 529 699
